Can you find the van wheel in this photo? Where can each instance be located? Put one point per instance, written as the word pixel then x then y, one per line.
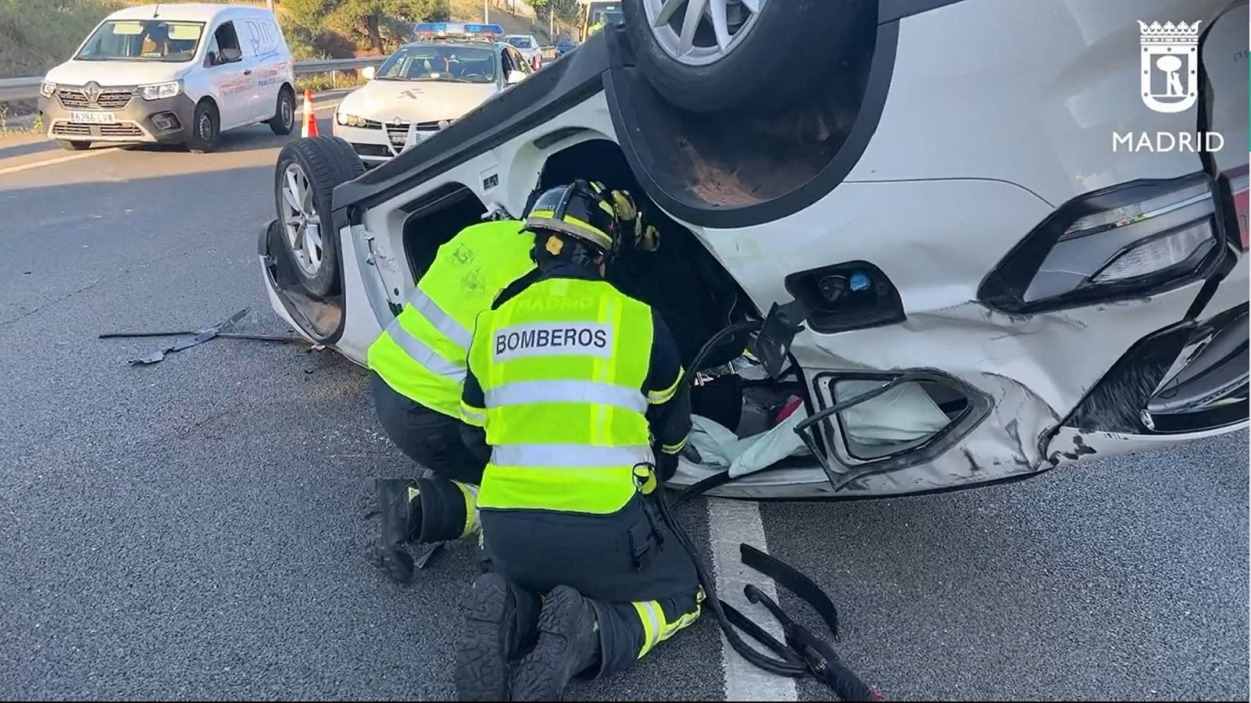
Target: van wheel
pixel 308 171
pixel 205 128
pixel 73 146
pixel 284 114
pixel 751 54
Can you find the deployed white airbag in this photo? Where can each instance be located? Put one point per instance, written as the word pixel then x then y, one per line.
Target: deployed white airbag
pixel 720 447
pixel 902 415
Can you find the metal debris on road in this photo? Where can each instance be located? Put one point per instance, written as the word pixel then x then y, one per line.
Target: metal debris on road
pixel 197 337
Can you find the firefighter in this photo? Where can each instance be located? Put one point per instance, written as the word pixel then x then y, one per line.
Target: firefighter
pixel 418 365
pixel 574 397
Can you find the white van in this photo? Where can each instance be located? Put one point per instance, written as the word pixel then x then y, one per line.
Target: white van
pixel 172 74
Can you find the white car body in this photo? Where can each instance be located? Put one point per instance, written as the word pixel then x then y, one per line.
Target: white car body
pixel 969 155
pixel 402 114
pixel 245 92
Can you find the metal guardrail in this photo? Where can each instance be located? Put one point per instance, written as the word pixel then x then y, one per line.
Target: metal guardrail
pixel 28 88
pixel 19 88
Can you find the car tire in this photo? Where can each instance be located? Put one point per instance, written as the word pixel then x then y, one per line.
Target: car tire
pixel 305 178
pixel 775 54
pixel 205 128
pixel 284 113
pixel 72 145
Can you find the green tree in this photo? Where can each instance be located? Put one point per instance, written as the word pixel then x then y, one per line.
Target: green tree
pixel 366 19
pixel 306 15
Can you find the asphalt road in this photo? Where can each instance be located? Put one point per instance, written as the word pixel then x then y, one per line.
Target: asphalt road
pixel 196 528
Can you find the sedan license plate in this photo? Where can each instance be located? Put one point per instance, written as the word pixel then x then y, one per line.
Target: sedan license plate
pixel 93 117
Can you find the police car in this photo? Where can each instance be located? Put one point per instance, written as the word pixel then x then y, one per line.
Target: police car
pixel 421 89
pixel 995 276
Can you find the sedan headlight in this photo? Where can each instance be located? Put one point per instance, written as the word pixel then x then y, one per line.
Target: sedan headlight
pixel 1132 240
pixel 349 120
pixel 47 88
pixel 157 91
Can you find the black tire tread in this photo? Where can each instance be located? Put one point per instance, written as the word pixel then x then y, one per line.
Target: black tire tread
pixel 194 143
pixel 275 122
pixel 326 165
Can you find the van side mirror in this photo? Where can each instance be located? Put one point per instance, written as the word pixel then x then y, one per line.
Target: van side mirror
pixel 211 58
pixel 515 77
pixel 368 73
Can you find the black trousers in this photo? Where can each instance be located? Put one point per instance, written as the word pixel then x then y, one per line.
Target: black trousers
pixel 642 583
pixel 429 438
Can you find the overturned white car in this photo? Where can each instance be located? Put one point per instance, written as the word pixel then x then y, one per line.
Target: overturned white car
pixel 994 280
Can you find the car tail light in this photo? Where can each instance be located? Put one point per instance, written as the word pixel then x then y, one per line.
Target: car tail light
pixel 1159 254
pixel 1130 240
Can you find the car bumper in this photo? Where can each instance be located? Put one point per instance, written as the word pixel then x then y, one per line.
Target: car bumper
pixel 153 121
pixel 378 145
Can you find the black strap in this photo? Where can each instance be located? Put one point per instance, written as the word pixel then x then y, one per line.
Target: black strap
pixel 825 666
pixel 794 582
pixel 758 633
pixel 703 486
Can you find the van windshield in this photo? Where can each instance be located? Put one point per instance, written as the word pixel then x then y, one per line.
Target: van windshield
pixel 143 40
pixel 451 63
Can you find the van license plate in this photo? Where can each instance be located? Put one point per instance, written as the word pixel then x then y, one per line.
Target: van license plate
pixel 93 117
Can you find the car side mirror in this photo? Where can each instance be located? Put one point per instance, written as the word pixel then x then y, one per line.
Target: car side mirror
pixel 368 73
pixel 515 77
pixel 211 58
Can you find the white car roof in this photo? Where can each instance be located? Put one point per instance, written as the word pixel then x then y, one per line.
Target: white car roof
pixel 193 12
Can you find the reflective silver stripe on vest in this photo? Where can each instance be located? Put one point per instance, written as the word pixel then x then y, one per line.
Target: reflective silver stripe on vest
pixel 520 392
pixel 569 455
pixel 423 354
pixel 442 321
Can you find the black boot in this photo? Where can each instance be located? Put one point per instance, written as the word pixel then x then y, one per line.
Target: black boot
pixel 568 645
pixel 500 623
pixel 396 508
pixel 417 512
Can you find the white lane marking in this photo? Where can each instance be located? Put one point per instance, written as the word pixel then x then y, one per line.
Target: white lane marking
pixel 52 162
pixel 730 523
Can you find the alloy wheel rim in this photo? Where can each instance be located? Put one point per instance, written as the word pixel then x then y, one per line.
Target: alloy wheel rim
pixel 300 220
pixel 206 127
pixel 288 112
pixel 701 32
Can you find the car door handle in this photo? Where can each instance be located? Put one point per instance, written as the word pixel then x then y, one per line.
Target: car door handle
pixel 247 72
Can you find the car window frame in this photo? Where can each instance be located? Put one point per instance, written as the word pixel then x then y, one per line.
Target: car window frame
pixel 213 57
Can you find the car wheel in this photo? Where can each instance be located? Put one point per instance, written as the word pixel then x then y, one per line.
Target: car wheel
pixel 284 114
pixel 205 128
pixel 308 171
pixel 712 55
pixel 73 146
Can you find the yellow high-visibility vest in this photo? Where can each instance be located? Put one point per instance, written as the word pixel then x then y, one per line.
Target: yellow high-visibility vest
pixel 421 354
pixel 562 367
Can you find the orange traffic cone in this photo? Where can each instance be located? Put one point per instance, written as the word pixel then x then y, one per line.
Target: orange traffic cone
pixel 310 119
